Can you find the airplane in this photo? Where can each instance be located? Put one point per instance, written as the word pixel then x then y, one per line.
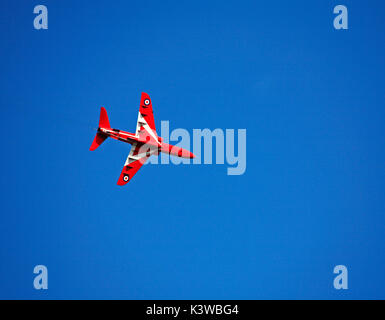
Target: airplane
pixel 145 141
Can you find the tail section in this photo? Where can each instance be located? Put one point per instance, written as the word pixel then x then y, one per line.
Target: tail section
pixel 103 123
pixel 99 138
pixel 103 120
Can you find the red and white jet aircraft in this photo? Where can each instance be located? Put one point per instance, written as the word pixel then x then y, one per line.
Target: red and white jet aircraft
pixel 145 141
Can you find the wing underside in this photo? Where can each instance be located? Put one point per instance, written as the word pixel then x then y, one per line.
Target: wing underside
pixel 140 153
pixel 146 115
pixel 137 157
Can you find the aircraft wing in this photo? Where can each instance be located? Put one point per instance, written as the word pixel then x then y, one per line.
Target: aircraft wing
pixel 136 158
pixel 146 115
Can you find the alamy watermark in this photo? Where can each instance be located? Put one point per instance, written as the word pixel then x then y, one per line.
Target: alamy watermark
pixel 40 282
pixel 341 280
pixel 341 21
pixel 229 149
pixel 41 20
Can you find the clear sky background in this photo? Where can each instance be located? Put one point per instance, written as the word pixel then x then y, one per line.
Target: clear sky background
pixel 313 195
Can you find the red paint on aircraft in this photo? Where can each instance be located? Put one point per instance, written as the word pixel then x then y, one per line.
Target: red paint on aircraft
pixel 145 141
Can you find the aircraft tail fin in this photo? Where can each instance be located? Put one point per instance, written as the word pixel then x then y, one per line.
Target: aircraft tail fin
pixel 103 123
pixel 103 120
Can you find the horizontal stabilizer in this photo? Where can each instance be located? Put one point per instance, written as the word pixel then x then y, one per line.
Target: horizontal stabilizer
pixel 99 138
pixel 103 123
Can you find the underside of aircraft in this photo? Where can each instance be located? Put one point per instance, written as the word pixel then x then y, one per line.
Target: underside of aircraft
pixel 144 142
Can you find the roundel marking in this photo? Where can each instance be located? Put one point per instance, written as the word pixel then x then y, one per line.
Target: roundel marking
pixel 125 178
pixel 146 102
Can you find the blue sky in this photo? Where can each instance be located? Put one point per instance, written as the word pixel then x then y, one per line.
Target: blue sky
pixel 310 97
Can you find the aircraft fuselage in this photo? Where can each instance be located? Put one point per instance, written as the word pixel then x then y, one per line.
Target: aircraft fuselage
pixel 131 138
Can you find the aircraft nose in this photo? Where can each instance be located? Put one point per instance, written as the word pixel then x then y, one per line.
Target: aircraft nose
pixel 192 156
